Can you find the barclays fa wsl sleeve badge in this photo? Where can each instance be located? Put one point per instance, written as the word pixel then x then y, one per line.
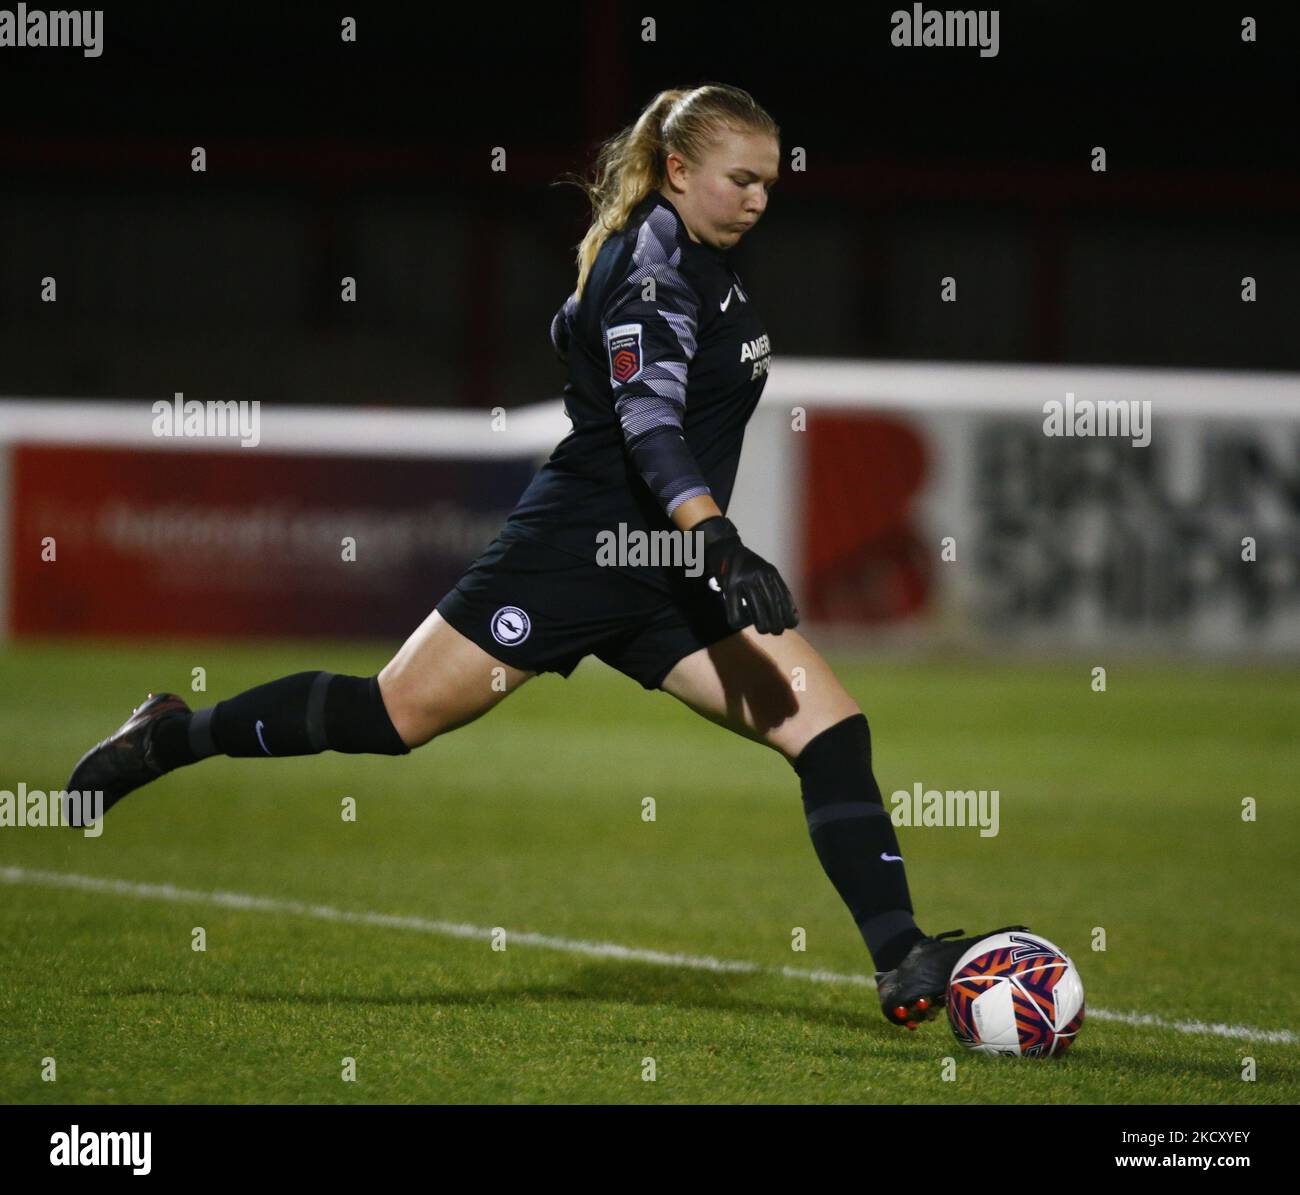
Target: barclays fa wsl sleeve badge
pixel 624 344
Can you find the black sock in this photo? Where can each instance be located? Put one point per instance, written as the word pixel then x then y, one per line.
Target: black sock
pixel 302 714
pixel 851 830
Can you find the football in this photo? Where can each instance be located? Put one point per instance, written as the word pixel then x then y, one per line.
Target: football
pixel 1015 993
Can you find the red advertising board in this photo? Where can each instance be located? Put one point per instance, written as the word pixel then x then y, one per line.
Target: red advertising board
pixel 864 561
pixel 138 543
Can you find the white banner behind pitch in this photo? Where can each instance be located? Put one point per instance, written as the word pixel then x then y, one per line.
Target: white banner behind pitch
pixel 1182 535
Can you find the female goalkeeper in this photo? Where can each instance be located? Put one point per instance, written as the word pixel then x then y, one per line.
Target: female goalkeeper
pixel 667 357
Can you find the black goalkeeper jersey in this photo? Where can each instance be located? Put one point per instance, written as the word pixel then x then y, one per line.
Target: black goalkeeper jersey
pixel 665 346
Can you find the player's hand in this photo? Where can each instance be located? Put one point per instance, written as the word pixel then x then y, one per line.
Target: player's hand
pixel 751 588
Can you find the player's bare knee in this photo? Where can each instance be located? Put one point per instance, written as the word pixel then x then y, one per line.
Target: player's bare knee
pixel 416 734
pixel 411 721
pixel 818 722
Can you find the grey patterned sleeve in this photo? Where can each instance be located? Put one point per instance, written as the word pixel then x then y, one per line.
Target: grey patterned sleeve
pixel 562 328
pixel 649 326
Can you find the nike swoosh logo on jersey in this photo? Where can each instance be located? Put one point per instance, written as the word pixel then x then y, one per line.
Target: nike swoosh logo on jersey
pixel 260 739
pixel 891 858
pixel 727 301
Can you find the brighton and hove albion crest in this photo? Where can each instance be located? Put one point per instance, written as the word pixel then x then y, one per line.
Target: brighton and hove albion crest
pixel 510 625
pixel 624 343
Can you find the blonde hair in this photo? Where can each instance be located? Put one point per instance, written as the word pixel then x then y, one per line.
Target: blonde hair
pixel 687 121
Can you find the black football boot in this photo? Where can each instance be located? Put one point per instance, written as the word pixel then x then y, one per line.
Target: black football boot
pixel 918 986
pixel 123 761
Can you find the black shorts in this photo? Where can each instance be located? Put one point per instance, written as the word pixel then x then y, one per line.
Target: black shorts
pixel 543 610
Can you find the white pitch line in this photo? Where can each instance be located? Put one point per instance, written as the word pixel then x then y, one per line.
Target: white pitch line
pixel 454 929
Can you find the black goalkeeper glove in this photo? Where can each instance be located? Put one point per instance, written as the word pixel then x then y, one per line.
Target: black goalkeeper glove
pixel 750 586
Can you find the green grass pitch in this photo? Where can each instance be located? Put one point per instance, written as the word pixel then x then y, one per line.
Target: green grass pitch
pixel 1119 810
